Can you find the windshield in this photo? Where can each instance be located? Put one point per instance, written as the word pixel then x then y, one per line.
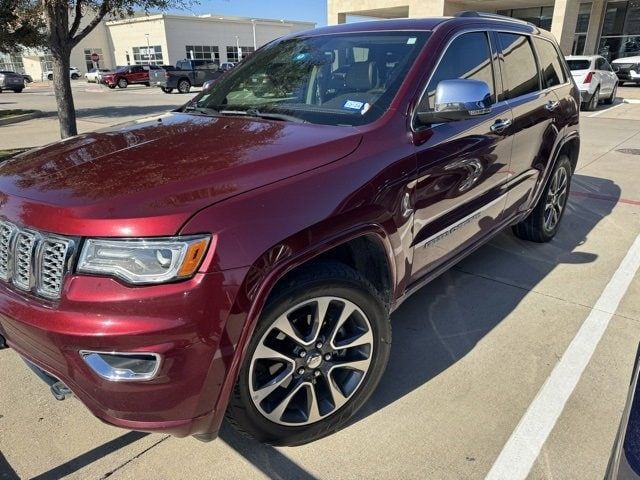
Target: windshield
pixel 121 69
pixel 579 64
pixel 347 79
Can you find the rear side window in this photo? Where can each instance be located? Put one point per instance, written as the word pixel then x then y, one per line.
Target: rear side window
pixel 467 57
pixel 550 66
pixel 519 69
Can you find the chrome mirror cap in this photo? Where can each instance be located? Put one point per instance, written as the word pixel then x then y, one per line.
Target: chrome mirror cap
pixel 458 100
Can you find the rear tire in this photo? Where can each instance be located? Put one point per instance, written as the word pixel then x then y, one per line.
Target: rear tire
pixel 75 76
pixel 612 97
pixel 543 222
pixel 594 101
pixel 282 416
pixel 184 86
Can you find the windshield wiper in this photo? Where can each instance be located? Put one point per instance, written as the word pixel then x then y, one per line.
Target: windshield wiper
pixel 253 112
pixel 192 108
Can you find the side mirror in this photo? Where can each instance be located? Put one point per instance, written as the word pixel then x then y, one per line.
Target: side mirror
pixel 458 100
pixel 208 84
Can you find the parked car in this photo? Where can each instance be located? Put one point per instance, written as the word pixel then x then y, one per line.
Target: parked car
pixel 127 75
pixel 624 463
pixel 95 74
pixel 74 73
pixel 627 69
pixel 11 81
pixel 224 66
pixel 241 255
pixel 187 74
pixel 595 78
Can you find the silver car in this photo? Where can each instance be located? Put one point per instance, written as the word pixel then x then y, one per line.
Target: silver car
pixel 11 81
pixel 595 78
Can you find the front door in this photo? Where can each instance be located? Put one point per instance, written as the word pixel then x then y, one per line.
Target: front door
pixel 462 165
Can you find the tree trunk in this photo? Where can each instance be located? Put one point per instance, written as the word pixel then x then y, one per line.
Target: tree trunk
pixel 64 96
pixel 60 44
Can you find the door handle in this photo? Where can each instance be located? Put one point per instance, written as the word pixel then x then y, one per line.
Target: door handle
pixel 500 125
pixel 552 105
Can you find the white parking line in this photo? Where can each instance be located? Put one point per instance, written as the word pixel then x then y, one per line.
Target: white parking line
pixel 606 110
pixel 526 441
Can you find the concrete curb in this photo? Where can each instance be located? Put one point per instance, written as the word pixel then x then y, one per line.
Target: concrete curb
pixel 20 118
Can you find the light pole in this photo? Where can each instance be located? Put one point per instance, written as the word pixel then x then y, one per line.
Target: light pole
pixel 253 24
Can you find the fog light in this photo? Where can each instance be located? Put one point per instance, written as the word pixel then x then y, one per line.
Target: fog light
pixel 123 367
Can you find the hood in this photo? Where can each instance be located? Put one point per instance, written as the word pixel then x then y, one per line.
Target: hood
pixel 635 59
pixel 151 175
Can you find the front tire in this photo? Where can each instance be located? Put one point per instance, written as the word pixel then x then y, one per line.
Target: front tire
pixel 18 90
pixel 166 89
pixel 122 83
pixel 317 355
pixel 543 222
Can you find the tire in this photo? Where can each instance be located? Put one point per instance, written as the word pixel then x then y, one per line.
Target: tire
pixel 50 76
pixel 184 86
pixel 346 288
pixel 612 97
pixel 75 76
pixel 122 83
pixel 594 101
pixel 147 84
pixel 166 89
pixel 537 227
pixel 111 86
pixel 18 90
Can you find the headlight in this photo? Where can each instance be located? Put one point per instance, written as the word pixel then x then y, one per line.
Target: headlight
pixel 140 261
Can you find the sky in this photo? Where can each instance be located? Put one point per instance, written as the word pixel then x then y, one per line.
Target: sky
pixel 306 10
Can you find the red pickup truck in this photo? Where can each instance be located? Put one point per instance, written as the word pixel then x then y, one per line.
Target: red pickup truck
pixel 131 74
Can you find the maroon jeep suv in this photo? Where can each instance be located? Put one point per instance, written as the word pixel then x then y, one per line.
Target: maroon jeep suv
pixel 240 256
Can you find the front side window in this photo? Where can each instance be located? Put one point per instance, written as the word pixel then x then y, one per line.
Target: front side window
pixel 550 66
pixel 347 79
pixel 467 57
pixel 519 69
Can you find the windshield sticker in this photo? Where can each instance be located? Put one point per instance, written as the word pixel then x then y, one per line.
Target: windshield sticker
pixel 353 105
pixel 411 41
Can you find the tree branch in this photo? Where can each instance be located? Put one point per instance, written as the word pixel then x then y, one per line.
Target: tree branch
pixel 76 20
pixel 102 11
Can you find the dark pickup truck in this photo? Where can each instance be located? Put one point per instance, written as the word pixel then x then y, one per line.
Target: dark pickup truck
pixel 187 74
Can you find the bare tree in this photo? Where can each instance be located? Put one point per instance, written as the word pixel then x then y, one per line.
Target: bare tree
pixel 67 23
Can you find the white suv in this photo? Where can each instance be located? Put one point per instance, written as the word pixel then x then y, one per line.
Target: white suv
pixel 74 73
pixel 595 78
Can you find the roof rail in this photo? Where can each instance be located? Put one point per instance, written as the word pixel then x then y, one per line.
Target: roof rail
pixel 495 16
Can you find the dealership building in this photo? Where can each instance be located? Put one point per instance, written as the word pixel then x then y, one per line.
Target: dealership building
pixel 161 39
pixel 609 28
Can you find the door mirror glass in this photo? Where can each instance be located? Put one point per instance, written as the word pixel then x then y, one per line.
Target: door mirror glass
pixel 458 100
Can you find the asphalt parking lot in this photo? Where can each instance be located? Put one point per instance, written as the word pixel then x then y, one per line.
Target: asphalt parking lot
pixel 470 352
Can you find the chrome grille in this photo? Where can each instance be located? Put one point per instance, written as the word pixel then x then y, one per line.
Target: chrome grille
pixel 33 260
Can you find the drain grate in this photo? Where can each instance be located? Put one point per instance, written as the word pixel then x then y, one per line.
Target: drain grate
pixel 629 151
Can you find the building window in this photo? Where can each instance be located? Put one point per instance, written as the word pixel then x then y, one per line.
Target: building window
pixel 232 53
pixel 620 30
pixel 12 63
pixel 203 52
pixel 584 14
pixel 151 55
pixel 539 16
pixel 87 58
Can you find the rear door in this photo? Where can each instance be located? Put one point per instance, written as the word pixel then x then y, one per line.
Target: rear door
pixel 463 165
pixel 530 91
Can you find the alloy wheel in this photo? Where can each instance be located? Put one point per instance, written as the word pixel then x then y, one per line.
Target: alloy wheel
pixel 556 199
pixel 311 361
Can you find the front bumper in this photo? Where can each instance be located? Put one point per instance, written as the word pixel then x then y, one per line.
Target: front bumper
pixel 185 323
pixel 628 75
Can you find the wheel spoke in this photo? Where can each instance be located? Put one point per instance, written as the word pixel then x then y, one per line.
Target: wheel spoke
pixel 277 412
pixel 321 313
pixel 313 415
pixel 361 365
pixel 366 338
pixel 338 398
pixel 271 385
pixel 347 311
pixel 284 325
pixel 264 352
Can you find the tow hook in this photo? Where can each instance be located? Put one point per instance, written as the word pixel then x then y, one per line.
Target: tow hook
pixel 60 391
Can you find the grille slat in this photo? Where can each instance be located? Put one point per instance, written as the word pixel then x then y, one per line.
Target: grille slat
pixel 32 260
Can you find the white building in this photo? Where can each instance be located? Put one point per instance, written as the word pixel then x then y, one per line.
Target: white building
pixel 162 39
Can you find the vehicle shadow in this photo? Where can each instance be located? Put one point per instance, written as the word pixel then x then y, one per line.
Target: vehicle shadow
pixel 443 322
